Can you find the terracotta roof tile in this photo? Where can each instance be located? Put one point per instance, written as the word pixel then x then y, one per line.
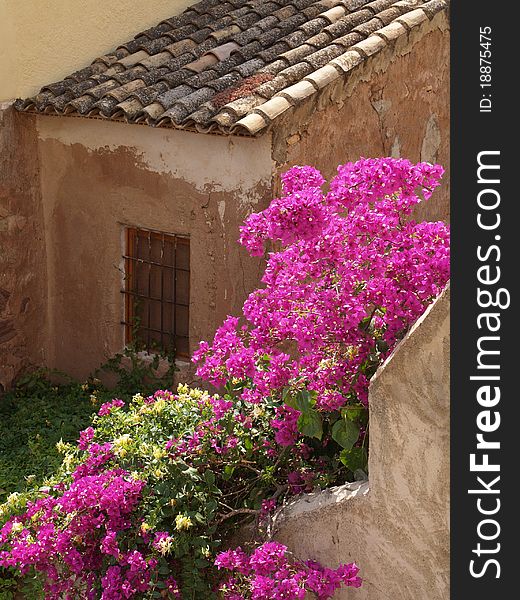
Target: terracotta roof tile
pixel 207 61
pixel 250 67
pixel 347 61
pixel 346 23
pixel 321 57
pixel 295 73
pixel 379 5
pixel 413 18
pixel 323 76
pixel 224 83
pixel 369 27
pixel 252 123
pixel 299 91
pixel 391 31
pixel 369 46
pixel 232 66
pixel 334 14
pixel 433 7
pixel 320 40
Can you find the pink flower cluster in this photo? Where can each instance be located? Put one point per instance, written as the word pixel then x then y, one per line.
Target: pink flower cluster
pixel 99 504
pixel 107 407
pixel 353 274
pixel 270 573
pixel 286 426
pixel 92 537
pixel 85 438
pixel 300 214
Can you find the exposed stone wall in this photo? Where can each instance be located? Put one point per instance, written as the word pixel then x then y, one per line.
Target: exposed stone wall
pixel 396 103
pixel 22 252
pixel 396 527
pixel 98 177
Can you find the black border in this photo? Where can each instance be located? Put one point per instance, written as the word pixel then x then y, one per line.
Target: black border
pixel 472 132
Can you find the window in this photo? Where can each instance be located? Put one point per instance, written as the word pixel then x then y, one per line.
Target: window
pixel 157 291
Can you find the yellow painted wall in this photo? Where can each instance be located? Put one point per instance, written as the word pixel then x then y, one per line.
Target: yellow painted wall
pixel 42 41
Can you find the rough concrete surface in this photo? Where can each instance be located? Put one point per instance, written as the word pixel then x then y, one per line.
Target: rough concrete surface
pixel 396 528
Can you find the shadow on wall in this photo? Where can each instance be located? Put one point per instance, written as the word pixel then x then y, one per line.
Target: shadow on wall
pixel 397 528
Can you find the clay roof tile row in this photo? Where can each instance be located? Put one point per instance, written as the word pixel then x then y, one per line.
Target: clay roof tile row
pixel 231 67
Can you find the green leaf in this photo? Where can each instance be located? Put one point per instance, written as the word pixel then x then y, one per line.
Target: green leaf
pixel 228 472
pixel 354 459
pixel 345 432
pixel 164 569
pixel 382 345
pixel 353 413
pixel 192 473
pixel 209 477
pixel 310 424
pixel 296 403
pixel 302 401
pixel 201 563
pixel 160 585
pixel 365 323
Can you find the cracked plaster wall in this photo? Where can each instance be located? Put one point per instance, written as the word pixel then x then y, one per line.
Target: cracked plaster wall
pixel 97 177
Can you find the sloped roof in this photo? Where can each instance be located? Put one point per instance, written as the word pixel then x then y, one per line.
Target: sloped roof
pixel 232 66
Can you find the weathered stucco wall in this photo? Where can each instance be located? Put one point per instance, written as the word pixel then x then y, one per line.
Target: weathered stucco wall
pixel 96 178
pixel 396 527
pixel 46 40
pixel 61 303
pixel 22 252
pixel 396 103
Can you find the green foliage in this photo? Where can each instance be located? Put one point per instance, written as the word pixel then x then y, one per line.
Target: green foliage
pixel 208 463
pixel 310 422
pixel 45 411
pixel 8 585
pixel 33 419
pixel 133 372
pixel 355 459
pixel 347 428
pixel 205 475
pixel 47 406
pixel 345 432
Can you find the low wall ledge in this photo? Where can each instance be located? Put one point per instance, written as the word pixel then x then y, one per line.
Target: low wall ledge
pixel 317 501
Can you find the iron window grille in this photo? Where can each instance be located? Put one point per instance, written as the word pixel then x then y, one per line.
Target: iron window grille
pixel 157 291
